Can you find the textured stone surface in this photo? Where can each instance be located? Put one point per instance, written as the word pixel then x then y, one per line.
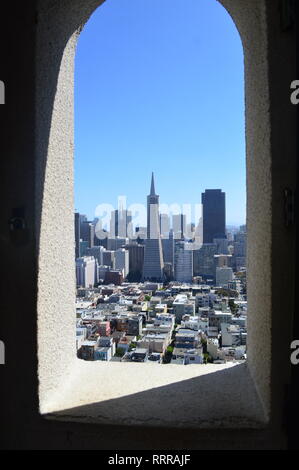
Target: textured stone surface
pixel 250 19
pixel 46 27
pixel 58 26
pixel 196 396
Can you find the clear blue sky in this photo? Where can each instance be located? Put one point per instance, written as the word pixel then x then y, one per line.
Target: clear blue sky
pixel 159 86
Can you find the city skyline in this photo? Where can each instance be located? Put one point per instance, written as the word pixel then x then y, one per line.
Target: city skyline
pixel 141 217
pixel 159 92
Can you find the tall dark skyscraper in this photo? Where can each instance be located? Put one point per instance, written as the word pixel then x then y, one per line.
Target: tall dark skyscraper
pixel 213 214
pixel 87 231
pixel 77 234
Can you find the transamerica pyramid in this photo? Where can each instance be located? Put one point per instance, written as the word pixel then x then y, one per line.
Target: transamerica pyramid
pixel 153 255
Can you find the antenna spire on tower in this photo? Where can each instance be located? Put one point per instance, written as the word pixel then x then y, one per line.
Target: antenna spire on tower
pixel 152 192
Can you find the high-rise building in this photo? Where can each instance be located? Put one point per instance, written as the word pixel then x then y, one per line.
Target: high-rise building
pixel 222 261
pixel 122 261
pixel 83 247
pixel 168 248
pixel 153 256
pixel 183 262
pixel 87 232
pixel 239 249
pixel 204 260
pixel 179 226
pixel 213 211
pixel 108 258
pixel 120 223
pixel 224 275
pixel 96 252
pixel 101 234
pixel 116 243
pixel 168 255
pixel 222 245
pixel 164 225
pixel 85 271
pixel 136 259
pixel 77 234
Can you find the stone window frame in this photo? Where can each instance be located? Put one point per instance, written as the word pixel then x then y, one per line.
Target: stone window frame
pixel 70 389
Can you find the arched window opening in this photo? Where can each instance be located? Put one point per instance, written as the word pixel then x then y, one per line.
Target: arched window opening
pixel 101 390
pixel 160 256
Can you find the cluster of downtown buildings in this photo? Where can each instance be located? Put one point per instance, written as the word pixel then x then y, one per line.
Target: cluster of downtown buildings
pixel 167 293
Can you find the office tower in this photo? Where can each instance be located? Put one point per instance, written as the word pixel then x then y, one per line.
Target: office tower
pixel 204 261
pixel 164 225
pixel 198 235
pixel 136 259
pixel 179 226
pixel 153 256
pixel 83 218
pixel 222 261
pixel 108 258
pixel 168 271
pixel 102 270
pixel 183 262
pixel 100 233
pixel 83 221
pixel 239 249
pixel 116 243
pixel 190 231
pixel 96 252
pixel 222 245
pixel 83 247
pixel 87 232
pixel 213 211
pixel 122 261
pixel 120 223
pixel 153 230
pixel 224 275
pixel 168 248
pixel 77 235
pixel 96 272
pixel 85 271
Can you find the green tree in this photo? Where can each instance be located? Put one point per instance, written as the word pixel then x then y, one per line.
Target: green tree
pixel 233 307
pixel 204 345
pixel 207 358
pixel 119 352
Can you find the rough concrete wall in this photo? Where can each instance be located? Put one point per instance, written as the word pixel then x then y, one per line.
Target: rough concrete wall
pixel 107 394
pixel 250 19
pixel 58 25
pixel 57 22
pixel 18 381
pixel 282 57
pixel 271 153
